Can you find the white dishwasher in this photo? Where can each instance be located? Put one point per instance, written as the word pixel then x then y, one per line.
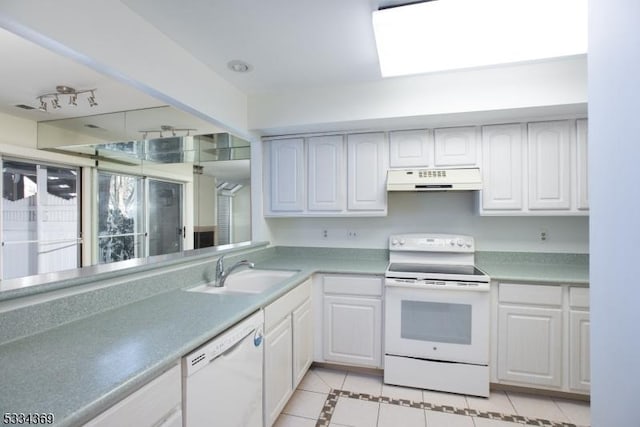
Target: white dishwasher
pixel 222 380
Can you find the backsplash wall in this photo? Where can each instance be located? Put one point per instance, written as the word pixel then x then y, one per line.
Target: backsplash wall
pixel 452 212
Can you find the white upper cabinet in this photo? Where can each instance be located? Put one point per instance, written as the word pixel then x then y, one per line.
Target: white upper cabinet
pixel 367 172
pixel 287 175
pixel 330 175
pixel 502 167
pixel 550 165
pixel 327 173
pixel 456 146
pixel 410 148
pixel 537 168
pixel 582 155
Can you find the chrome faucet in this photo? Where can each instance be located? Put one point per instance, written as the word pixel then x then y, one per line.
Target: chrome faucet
pixel 222 274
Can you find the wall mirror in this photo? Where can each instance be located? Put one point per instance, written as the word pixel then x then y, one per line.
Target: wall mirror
pixel 194 177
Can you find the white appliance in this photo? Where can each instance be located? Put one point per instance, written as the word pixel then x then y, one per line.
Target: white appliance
pixel 222 380
pixel 434 179
pixel 436 315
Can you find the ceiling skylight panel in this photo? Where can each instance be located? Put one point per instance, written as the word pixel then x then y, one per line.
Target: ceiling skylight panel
pixel 454 34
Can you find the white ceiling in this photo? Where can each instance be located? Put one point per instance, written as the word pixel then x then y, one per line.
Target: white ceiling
pixel 34 70
pixel 290 44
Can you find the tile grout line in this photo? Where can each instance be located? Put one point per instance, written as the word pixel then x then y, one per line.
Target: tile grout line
pixel 332 398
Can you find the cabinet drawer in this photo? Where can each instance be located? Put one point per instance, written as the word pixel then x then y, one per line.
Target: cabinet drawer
pixel 530 294
pixel 352 285
pixel 283 306
pixel 147 406
pixel 579 297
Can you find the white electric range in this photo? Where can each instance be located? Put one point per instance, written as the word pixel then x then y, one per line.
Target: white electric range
pixel 436 315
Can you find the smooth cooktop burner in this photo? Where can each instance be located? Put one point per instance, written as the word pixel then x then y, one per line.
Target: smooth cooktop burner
pixel 467 270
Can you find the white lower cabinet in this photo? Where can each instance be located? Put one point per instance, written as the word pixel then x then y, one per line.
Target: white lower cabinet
pixel 278 371
pixel 352 320
pixel 530 349
pixel 579 341
pixel 302 319
pixel 156 404
pixel 288 350
pixel 542 336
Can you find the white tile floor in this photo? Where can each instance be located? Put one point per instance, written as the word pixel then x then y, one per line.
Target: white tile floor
pixel 304 407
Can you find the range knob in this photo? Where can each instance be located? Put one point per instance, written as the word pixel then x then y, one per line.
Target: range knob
pixel 394 242
pixel 460 242
pixel 468 244
pixel 402 242
pixel 452 243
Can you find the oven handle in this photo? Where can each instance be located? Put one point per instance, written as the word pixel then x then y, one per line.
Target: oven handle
pixel 476 287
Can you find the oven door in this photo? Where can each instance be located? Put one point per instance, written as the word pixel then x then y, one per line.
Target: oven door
pixel 439 324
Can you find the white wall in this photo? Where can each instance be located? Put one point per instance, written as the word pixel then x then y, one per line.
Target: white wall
pixel 110 38
pixel 614 153
pixel 452 212
pixel 551 83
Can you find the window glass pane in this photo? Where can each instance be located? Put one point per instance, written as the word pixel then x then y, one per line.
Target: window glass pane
pixel 436 322
pixel 165 217
pixel 120 216
pixel 40 227
pixel 19 181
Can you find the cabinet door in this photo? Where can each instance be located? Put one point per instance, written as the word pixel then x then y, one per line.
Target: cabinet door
pixel 582 154
pixel 156 403
pixel 353 330
pixel 327 177
pixel 277 370
pixel 549 165
pixel 456 146
pixel 502 167
pixel 579 356
pixel 410 148
pixel 530 345
pixel 367 171
pixel 287 175
pixel 302 341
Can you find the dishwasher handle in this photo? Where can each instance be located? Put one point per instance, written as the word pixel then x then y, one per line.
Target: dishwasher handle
pixel 257 341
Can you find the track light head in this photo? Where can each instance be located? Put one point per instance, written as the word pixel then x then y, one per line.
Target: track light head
pixel 43 105
pixel 73 100
pixel 55 103
pixel 92 100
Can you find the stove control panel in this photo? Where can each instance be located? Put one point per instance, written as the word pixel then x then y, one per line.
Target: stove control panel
pixel 426 242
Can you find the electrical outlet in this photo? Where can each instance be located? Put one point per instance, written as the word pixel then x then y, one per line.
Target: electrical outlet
pixel 544 234
pixel 325 234
pixel 352 235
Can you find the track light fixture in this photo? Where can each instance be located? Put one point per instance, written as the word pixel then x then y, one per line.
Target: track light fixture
pixel 72 93
pixel 166 129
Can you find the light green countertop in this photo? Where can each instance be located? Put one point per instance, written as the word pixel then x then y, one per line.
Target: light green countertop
pixel 535 267
pixel 81 368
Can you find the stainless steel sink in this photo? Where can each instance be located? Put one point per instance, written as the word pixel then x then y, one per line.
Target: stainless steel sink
pixel 251 281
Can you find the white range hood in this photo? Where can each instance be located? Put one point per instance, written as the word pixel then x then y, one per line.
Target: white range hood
pixel 434 179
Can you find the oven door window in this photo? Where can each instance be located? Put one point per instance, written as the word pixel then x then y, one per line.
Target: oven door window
pixel 436 322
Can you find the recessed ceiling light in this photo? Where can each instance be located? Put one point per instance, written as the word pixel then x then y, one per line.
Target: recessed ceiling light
pixel 239 66
pixel 455 34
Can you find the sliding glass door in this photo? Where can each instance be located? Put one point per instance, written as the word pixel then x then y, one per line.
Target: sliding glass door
pixel 40 218
pixel 138 217
pixel 120 217
pixel 166 229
